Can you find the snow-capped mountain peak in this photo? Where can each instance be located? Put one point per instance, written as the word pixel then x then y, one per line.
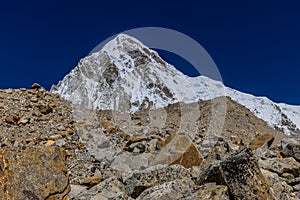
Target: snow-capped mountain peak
pixel 126 75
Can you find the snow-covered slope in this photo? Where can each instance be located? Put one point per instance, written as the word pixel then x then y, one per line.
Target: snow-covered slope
pixel 126 75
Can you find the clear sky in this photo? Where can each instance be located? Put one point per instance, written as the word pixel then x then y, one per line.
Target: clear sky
pixel 255 44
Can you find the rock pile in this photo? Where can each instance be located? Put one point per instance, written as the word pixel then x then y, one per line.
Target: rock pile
pixel 53 150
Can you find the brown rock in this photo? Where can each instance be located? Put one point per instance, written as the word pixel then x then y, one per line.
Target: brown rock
pixel 35 86
pixel 180 150
pixel 45 109
pixel 11 119
pixel 137 138
pixel 261 141
pixel 125 136
pixel 8 91
pixel 109 126
pixel 287 175
pixel 281 165
pixel 90 181
pixel 33 173
pixel 53 104
pixel 23 120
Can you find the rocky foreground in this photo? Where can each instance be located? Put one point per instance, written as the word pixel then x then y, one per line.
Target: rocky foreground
pixel 53 150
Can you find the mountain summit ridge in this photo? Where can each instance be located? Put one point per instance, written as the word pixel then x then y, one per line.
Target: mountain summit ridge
pixel 125 75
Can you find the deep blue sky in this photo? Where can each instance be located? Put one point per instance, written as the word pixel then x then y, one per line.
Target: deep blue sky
pixel 255 44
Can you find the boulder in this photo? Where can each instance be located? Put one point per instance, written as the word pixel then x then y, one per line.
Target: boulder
pixel 110 188
pixel 177 189
pixel 211 191
pixel 142 180
pixel 243 177
pixel 127 162
pixel 209 171
pixel 286 141
pixel 281 165
pixel 34 173
pixel 278 185
pixel 180 150
pixel 262 141
pixel 291 150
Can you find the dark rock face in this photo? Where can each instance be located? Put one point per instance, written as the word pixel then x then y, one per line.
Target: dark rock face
pixel 34 173
pixel 110 74
pixel 243 176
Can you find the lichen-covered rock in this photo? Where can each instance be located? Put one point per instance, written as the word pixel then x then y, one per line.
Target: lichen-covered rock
pixel 33 173
pixel 211 191
pixel 177 189
pixel 141 180
pixel 243 177
pixel 180 150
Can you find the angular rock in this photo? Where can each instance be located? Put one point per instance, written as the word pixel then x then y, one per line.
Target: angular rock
pixel 262 141
pixel 109 126
pixel 127 162
pixel 34 173
pixel 220 149
pixel 137 138
pixel 281 165
pixel 140 181
pixel 180 150
pixel 90 181
pixel 243 177
pixel 278 185
pixel 207 146
pixel 76 190
pixel 287 141
pixel 209 171
pixel 282 191
pixel 211 191
pixel 35 86
pixel 177 189
pixel 110 188
pixel 291 150
pixel 294 182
